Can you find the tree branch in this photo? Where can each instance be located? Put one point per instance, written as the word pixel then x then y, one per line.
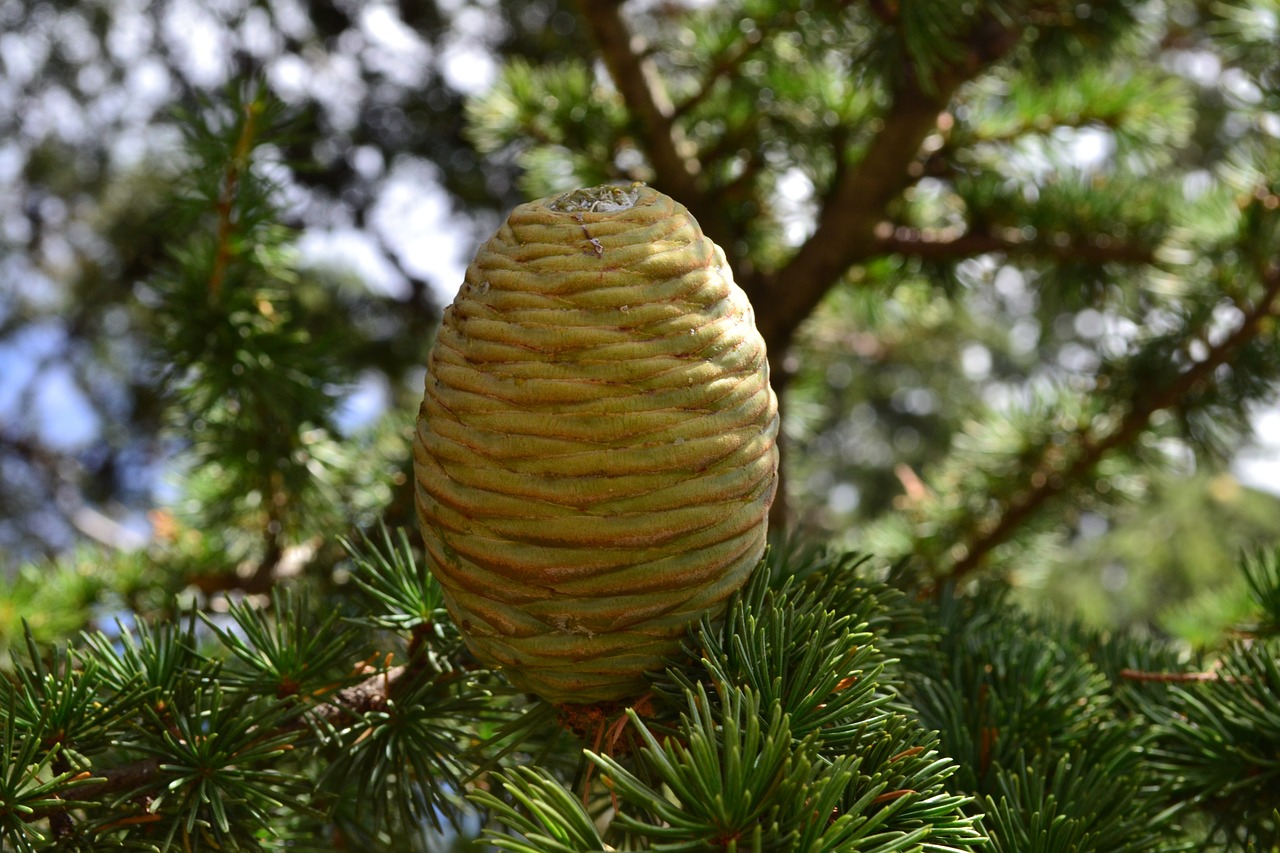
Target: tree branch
pixel 368 695
pixel 1169 677
pixel 641 88
pixel 225 207
pixel 855 205
pixel 1054 474
pixel 733 59
pixel 674 160
pixel 940 246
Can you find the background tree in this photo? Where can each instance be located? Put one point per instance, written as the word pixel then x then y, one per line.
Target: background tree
pixel 1014 261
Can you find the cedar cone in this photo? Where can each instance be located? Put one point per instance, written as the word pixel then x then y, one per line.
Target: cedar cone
pixel 595 453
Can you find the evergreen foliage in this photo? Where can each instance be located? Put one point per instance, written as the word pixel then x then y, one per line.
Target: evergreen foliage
pixel 275 669
pixel 786 729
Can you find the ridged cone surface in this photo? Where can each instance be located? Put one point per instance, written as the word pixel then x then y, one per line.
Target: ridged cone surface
pixel 596 453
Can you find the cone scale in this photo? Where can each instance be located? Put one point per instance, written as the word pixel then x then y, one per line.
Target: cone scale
pixel 595 453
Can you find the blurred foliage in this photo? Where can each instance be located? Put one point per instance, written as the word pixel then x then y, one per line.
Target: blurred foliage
pixel 91 113
pixel 1168 563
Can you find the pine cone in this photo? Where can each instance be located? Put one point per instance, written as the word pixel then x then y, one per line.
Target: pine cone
pixel 595 453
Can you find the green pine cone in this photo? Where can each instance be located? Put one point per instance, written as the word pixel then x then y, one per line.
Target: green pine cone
pixel 595 454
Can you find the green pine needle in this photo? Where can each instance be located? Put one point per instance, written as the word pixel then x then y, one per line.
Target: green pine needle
pixel 542 811
pixel 407 596
pixel 284 650
pixel 1262 575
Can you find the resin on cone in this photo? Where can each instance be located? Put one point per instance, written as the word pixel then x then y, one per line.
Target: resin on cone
pixel 596 452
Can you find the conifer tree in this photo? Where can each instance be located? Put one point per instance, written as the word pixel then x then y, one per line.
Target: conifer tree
pixel 901 190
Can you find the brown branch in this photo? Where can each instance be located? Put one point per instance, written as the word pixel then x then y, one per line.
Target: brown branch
pixel 1169 677
pixel 675 164
pixel 939 246
pixel 123 778
pixel 1051 476
pixel 368 695
pixel 226 200
pixel 855 205
pixel 636 77
pixel 845 232
pixel 722 68
pixel 1182 677
pixel 733 59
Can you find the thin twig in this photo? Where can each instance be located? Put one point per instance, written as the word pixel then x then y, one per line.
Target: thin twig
pixel 855 205
pixel 236 165
pixel 642 89
pixel 675 164
pixel 733 58
pixel 1169 677
pixel 368 695
pixel 922 244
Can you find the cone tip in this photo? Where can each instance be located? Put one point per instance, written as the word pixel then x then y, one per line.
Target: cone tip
pixel 606 198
